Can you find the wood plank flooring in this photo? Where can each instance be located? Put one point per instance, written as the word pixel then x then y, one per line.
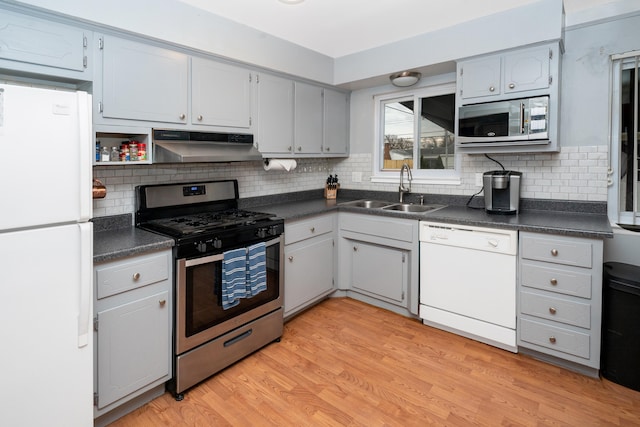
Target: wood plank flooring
pixel 346 363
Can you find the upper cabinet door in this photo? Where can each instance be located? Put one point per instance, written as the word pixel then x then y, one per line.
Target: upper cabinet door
pixel 480 77
pixel 336 122
pixel 308 119
pixel 527 70
pixel 221 94
pixel 275 114
pixel 37 41
pixel 144 82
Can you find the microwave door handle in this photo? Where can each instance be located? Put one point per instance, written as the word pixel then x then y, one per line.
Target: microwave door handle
pixel 522 117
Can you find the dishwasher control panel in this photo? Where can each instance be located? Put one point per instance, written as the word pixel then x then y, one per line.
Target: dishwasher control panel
pixel 470 237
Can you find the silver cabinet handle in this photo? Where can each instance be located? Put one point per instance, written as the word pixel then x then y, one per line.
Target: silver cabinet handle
pixel 182 116
pixel 511 85
pixel 492 89
pixel 552 310
pixel 313 229
pixel 552 339
pixel 289 148
pixel 554 281
pixel 554 252
pixel 355 248
pixel 328 149
pixel 162 302
pixel 299 148
pixel 136 276
pixel 200 118
pixel 291 258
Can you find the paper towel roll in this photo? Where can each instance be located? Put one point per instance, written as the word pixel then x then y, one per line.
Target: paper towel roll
pixel 280 164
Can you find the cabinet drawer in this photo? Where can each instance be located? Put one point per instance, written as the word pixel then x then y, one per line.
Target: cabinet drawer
pixel 122 276
pixel 555 338
pixel 564 281
pixel 301 230
pixel 556 309
pixel 568 251
pixel 389 228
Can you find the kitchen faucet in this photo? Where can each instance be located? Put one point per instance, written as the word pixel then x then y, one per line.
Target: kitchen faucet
pixel 402 189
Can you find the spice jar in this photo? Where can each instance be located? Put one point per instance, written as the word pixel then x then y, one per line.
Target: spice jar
pixel 142 151
pixel 124 151
pixel 133 151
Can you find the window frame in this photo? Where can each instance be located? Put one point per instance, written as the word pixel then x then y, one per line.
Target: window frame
pixel 420 176
pixel 620 62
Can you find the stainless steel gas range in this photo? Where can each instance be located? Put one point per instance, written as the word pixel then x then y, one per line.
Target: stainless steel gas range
pixel 228 274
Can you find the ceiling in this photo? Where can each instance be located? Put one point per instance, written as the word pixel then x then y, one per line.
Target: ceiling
pixel 341 27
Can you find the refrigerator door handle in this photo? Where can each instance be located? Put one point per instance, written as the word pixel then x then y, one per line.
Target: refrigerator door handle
pixel 86 152
pixel 86 278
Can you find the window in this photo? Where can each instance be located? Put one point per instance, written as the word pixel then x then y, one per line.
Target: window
pixel 416 128
pixel 624 200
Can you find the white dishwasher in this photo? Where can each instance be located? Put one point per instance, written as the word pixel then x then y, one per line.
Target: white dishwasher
pixel 468 281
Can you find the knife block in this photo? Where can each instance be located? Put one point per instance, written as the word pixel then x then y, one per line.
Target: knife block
pixel 331 193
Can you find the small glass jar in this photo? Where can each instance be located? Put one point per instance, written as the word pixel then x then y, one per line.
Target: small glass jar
pixel 104 154
pixel 115 154
pixel 133 151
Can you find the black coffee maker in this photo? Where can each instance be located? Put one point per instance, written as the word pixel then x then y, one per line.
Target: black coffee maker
pixel 502 191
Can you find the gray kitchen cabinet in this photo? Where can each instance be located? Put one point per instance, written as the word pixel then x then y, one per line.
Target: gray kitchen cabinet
pixel 141 81
pixel 132 328
pixel 335 132
pixel 504 74
pixel 275 115
pixel 220 94
pixel 309 261
pixel 379 261
pixel 44 47
pixel 560 299
pixel 308 111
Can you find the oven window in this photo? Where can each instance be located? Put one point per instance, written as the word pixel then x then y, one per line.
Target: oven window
pixel 204 293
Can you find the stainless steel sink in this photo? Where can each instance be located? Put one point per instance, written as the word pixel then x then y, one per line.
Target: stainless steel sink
pixel 406 207
pixel 370 204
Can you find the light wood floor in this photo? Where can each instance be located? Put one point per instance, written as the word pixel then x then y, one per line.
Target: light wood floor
pixel 346 363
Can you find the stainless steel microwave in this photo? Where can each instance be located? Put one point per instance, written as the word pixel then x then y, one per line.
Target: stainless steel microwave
pixel 513 122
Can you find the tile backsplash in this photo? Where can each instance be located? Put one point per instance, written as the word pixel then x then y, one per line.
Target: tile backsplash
pixel 576 173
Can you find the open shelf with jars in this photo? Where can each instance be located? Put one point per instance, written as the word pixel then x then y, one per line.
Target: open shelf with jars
pixel 122 146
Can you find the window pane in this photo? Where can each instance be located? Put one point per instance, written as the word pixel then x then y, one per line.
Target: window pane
pixel 629 112
pixel 437 132
pixel 398 134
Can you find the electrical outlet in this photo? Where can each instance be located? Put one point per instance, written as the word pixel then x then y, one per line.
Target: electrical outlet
pixel 479 179
pixel 356 176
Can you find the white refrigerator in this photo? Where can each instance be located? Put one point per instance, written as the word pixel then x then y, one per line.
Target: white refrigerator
pixel 46 250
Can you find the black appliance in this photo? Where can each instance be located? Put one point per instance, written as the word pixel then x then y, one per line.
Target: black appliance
pixel 205 222
pixel 502 191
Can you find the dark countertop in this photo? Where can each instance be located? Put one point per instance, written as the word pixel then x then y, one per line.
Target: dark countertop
pixel 593 225
pixel 115 237
pixel 123 239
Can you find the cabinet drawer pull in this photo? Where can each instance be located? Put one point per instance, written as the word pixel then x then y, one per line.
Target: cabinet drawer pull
pixel 162 302
pixel 511 85
pixel 552 310
pixel 200 118
pixel 552 340
pixel 554 281
pixel 313 229
pixel 554 252
pixel 182 116
pixel 299 148
pixel 355 248
pixel 289 148
pixel 136 277
pixel 291 258
pixel 492 89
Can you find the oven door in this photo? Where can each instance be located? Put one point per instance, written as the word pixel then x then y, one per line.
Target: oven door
pixel 200 316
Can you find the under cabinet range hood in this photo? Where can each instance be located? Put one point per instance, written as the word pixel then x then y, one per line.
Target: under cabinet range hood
pixel 178 146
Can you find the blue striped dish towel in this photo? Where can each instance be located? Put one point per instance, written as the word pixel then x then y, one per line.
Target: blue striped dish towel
pixel 234 277
pixel 256 269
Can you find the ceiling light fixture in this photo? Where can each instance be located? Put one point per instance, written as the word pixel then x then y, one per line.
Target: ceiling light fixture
pixel 405 78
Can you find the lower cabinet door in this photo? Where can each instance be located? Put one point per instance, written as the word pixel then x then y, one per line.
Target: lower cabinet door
pixel 379 270
pixel 133 339
pixel 308 271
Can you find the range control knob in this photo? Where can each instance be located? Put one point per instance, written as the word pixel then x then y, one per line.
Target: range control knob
pixel 201 247
pixel 261 232
pixel 273 230
pixel 217 243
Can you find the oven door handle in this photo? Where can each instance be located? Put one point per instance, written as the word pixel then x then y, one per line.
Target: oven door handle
pixel 205 260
